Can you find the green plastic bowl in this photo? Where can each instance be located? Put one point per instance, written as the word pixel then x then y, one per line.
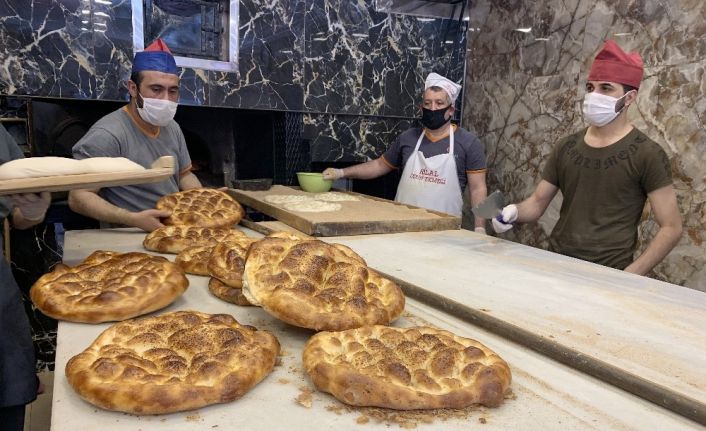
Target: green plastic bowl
pixel 313 182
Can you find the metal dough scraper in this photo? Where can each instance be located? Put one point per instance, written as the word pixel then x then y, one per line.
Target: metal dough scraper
pixel 491 207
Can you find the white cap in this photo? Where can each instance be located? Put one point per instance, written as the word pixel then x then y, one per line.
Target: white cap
pixel 436 80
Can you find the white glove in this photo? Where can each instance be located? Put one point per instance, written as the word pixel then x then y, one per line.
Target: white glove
pixel 503 222
pixel 480 230
pixel 333 174
pixel 32 206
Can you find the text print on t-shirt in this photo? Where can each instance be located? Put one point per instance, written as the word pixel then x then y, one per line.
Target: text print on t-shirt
pixel 590 163
pixel 428 176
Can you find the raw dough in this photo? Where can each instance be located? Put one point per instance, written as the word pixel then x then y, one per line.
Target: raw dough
pixel 34 167
pixel 335 197
pixel 312 206
pixel 103 165
pixel 285 199
pixel 37 167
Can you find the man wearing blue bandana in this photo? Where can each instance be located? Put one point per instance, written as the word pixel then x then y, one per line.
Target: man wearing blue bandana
pixel 141 131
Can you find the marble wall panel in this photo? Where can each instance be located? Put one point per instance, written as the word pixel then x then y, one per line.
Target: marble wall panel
pixel 270 59
pixel 520 104
pixel 112 44
pixel 326 56
pixel 345 57
pixel 43 49
pixel 351 138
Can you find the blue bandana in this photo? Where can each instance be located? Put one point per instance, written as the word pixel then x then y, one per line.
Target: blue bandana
pixel 159 61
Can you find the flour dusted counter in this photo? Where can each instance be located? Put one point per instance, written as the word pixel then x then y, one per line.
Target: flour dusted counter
pixel 546 394
pixel 644 335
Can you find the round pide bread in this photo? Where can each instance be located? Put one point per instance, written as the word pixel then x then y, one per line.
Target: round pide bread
pixel 227 293
pixel 227 260
pixel 172 362
pixel 109 286
pixel 201 207
pixel 194 260
pixel 316 285
pixel 173 239
pixel 406 368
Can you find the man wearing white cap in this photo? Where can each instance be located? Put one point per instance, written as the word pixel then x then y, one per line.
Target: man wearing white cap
pixel 437 160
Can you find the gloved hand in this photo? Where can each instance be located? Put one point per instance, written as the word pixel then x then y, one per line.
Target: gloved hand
pixel 33 206
pixel 508 215
pixel 333 174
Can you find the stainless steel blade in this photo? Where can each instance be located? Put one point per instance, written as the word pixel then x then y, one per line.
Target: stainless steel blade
pixel 491 206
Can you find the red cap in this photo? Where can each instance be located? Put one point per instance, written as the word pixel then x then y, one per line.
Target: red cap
pixel 615 65
pixel 158 45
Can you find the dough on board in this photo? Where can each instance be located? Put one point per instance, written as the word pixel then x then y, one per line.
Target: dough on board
pixel 312 206
pixel 335 197
pixel 36 167
pixel 100 165
pixel 285 199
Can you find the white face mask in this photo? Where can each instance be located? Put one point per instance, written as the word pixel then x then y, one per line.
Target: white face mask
pixel 158 112
pixel 599 109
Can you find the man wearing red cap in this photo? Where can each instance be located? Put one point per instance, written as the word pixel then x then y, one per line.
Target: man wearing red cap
pixel 606 173
pixel 141 131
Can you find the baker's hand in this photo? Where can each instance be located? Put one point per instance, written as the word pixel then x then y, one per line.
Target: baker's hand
pixel 480 230
pixel 148 220
pixel 33 206
pixel 333 174
pixel 503 222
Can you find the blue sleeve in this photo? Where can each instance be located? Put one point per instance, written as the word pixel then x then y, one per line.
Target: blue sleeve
pixel 13 150
pixel 97 142
pixel 475 155
pixel 184 159
pixel 393 155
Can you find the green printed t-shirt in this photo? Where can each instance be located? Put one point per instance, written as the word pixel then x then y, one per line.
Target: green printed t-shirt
pixel 604 190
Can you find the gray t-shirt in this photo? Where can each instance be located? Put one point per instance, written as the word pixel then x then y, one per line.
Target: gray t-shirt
pixel 468 151
pixel 8 151
pixel 118 135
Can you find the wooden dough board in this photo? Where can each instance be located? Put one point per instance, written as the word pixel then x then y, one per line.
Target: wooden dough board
pixel 161 170
pixel 369 215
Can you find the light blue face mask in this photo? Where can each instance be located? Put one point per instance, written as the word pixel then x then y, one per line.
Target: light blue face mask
pixel 599 109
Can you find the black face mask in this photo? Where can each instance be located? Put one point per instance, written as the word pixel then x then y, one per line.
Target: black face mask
pixel 434 119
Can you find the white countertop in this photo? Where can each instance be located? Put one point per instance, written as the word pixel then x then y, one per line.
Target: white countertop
pixel 653 329
pixel 547 395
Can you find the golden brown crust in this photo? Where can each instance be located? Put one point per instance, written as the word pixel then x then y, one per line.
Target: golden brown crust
pixel 227 260
pixel 201 207
pixel 109 286
pixel 294 236
pixel 173 239
pixel 194 260
pixel 297 236
pixel 406 368
pixel 227 293
pixel 316 285
pixel 172 362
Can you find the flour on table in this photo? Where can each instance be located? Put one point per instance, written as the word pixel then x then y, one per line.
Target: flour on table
pixel 312 206
pixel 335 197
pixel 285 199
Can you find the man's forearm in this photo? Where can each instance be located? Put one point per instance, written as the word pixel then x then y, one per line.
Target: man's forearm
pixel 477 195
pixel 667 237
pixel 189 181
pixel 88 203
pixel 367 170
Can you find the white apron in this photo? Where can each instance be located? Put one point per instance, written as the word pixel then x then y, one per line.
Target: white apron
pixel 431 183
